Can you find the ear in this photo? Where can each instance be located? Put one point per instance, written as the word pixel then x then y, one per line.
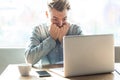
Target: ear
pixel 46 14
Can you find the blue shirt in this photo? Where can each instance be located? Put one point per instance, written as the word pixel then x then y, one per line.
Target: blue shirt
pixel 44 48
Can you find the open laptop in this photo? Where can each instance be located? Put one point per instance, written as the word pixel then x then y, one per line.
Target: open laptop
pixel 86 55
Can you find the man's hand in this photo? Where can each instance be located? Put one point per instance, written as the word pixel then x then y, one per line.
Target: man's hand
pixel 63 31
pixel 54 31
pixel 58 33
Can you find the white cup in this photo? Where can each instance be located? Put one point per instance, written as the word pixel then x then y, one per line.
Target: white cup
pixel 24 69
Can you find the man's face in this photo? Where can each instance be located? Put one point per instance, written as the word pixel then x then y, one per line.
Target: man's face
pixel 58 18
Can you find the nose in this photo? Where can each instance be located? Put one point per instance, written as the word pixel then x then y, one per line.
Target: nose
pixel 60 24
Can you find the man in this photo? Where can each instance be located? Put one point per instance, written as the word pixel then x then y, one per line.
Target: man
pixel 46 40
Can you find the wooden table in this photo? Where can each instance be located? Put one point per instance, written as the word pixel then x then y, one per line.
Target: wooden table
pixel 12 73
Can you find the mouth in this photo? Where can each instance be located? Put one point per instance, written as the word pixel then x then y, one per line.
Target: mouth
pixel 60 26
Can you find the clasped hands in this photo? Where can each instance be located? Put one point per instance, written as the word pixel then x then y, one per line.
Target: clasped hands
pixel 58 33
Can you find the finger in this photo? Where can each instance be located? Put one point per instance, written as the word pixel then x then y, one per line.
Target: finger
pixel 57 26
pixel 52 28
pixel 65 30
pixel 53 31
pixel 62 32
pixel 58 33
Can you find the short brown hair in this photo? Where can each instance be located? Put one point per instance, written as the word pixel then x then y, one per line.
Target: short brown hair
pixel 59 5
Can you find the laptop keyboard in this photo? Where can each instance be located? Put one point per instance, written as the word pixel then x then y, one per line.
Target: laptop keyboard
pixel 57 69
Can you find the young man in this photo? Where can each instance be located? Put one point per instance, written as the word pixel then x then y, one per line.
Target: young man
pixel 46 40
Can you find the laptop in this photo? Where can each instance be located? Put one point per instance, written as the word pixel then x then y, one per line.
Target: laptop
pixel 87 55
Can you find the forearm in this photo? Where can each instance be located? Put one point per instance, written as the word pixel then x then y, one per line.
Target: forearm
pixel 34 54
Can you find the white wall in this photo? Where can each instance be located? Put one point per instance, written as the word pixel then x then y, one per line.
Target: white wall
pixel 11 56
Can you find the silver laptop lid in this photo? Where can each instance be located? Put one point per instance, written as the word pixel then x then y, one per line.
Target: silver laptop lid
pixel 88 54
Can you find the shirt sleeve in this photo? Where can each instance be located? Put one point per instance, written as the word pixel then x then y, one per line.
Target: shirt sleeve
pixel 38 48
pixel 75 30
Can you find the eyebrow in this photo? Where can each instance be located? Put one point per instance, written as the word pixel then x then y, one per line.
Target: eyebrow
pixel 65 17
pixel 57 17
pixel 54 17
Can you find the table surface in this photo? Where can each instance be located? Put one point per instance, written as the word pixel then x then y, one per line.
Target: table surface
pixel 12 73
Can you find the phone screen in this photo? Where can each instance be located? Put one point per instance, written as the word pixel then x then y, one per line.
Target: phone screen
pixel 43 74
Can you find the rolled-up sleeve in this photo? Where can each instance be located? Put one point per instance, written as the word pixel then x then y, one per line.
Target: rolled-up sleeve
pixel 38 48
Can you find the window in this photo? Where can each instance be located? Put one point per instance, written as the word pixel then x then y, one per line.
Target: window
pixel 17 17
pixel 98 16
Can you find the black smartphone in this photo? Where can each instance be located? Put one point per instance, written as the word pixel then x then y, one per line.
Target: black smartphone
pixel 43 74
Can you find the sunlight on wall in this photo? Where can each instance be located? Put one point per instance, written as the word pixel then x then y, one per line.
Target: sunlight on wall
pixel 98 16
pixel 18 17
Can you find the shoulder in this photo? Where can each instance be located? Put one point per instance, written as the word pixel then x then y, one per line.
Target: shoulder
pixel 40 28
pixel 75 29
pixel 41 31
